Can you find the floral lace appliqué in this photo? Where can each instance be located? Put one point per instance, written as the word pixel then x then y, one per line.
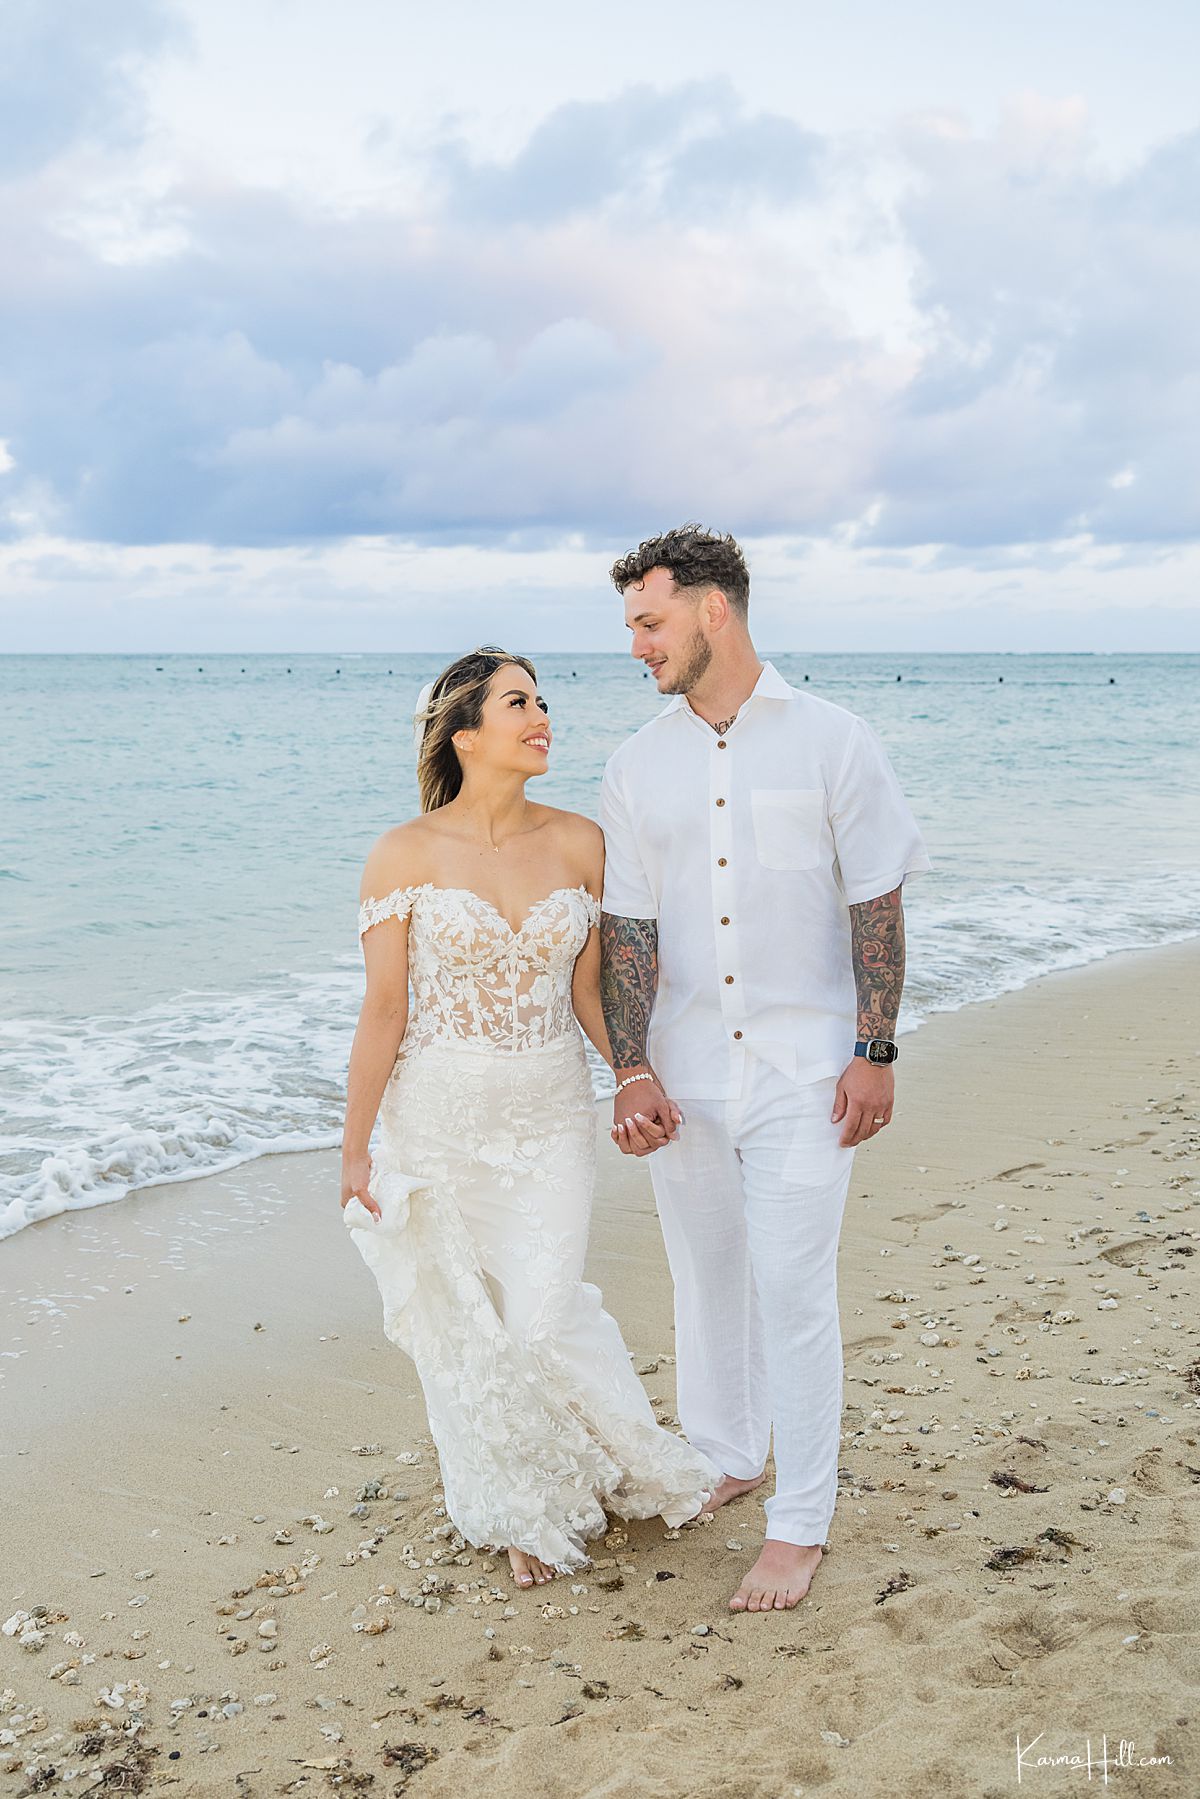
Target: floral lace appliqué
pixel 473 977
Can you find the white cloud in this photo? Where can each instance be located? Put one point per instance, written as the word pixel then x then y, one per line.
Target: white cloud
pixel 927 346
pixel 386 594
pixel 69 72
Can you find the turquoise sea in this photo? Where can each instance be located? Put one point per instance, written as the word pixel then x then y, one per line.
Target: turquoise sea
pixel 181 839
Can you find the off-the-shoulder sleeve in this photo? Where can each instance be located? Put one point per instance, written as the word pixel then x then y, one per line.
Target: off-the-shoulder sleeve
pixel 396 904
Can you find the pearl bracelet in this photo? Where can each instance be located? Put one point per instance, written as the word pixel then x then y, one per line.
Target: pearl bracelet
pixel 630 1079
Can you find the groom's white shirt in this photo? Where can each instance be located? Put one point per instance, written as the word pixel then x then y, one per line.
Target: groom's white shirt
pixel 749 849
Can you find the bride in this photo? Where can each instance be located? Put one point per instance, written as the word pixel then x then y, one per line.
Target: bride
pixel 473 1212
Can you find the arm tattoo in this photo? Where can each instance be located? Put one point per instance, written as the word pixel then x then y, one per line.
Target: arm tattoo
pixel 877 945
pixel 628 978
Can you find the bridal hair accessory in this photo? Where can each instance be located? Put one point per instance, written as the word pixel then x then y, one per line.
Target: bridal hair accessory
pixel 426 693
pixel 419 721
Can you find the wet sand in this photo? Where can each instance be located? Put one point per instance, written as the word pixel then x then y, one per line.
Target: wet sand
pixel 225 1569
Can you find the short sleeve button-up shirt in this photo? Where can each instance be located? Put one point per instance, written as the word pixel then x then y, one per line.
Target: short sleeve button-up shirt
pixel 749 849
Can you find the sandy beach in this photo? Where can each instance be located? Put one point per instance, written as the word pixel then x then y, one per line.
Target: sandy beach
pixel 226 1569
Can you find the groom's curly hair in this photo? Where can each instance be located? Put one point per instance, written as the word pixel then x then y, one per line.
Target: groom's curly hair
pixel 693 557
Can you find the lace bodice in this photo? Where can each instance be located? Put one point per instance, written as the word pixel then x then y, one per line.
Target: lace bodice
pixel 474 978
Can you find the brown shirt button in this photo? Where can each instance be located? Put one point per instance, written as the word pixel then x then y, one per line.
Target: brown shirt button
pixel 720 802
pixel 729 980
pixel 724 921
pixel 720 861
pixel 720 743
pixel 737 1034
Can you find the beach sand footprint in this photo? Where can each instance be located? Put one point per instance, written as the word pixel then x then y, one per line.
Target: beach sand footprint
pixel 864 1343
pixel 1040 1631
pixel 1131 1252
pixel 930 1217
pixel 1020 1311
pixel 1151 1472
pixel 928 1614
pixel 1166 1614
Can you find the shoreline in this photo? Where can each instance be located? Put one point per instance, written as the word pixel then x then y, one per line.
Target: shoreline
pixel 209 1389
pixel 908 1028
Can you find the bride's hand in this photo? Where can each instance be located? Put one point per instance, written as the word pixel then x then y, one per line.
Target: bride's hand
pixel 356 1172
pixel 644 1119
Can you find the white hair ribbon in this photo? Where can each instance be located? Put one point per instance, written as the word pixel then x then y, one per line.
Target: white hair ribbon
pixel 418 722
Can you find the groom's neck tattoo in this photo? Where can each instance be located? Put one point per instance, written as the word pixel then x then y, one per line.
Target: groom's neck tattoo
pixel 628 978
pixel 877 950
pixel 723 724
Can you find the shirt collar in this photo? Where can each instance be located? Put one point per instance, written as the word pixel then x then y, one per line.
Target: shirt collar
pixel 769 686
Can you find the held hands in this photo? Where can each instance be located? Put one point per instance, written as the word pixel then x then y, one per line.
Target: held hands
pixel 356 1172
pixel 865 1096
pixel 643 1117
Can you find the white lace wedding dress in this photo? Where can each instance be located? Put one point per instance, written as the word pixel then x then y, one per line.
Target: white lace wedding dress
pixel 483 1175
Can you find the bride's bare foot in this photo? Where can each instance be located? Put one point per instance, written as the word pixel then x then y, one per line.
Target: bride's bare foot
pixel 730 1488
pixel 527 1570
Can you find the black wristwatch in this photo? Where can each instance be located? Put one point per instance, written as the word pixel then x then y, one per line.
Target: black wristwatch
pixel 877 1049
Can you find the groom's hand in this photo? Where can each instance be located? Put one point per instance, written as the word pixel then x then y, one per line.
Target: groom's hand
pixel 643 1117
pixel 865 1095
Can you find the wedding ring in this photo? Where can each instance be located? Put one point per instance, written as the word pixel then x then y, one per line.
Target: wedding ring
pixel 877 1121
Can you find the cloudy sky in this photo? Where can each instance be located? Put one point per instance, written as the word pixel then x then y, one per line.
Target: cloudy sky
pixel 364 325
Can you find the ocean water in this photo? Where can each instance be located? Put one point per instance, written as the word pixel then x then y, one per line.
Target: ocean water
pixel 181 839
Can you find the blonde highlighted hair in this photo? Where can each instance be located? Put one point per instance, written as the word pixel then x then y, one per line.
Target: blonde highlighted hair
pixel 456 704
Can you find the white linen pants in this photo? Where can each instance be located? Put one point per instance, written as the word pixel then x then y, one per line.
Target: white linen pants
pixel 751 1197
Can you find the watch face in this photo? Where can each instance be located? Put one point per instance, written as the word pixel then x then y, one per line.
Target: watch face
pixel 881 1052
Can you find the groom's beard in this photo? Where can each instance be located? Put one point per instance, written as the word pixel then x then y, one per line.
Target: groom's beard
pixel 695 658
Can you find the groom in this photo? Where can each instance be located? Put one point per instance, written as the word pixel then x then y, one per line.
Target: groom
pixel 756 841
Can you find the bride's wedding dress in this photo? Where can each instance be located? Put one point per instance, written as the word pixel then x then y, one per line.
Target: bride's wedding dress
pixel 483 1175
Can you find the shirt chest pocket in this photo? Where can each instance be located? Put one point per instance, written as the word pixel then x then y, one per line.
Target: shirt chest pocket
pixel 787 825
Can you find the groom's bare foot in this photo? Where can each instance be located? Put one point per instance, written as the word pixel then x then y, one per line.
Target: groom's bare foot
pixel 730 1488
pixel 528 1571
pixel 779 1578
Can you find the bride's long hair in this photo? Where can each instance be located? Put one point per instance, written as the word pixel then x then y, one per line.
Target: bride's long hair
pixel 456 704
